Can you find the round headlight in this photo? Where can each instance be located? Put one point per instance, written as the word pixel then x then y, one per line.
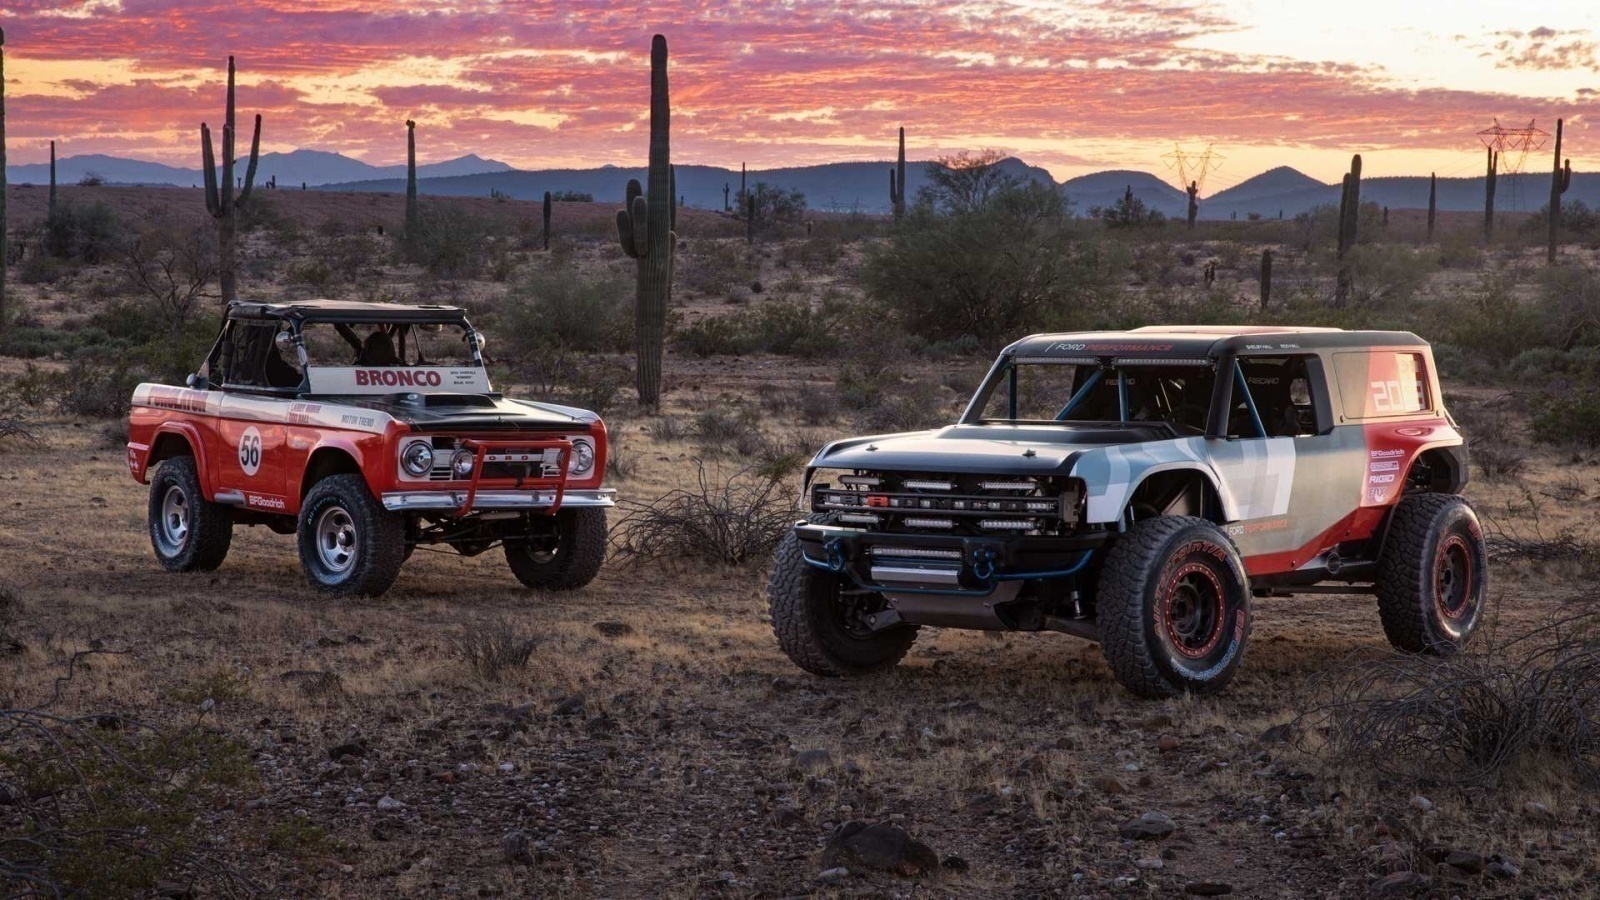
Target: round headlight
pixel 461 464
pixel 582 457
pixel 417 458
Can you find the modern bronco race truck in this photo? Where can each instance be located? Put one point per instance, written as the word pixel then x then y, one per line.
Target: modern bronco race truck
pixel 1138 488
pixel 366 429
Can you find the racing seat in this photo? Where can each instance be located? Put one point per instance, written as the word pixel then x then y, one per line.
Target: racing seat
pixel 378 350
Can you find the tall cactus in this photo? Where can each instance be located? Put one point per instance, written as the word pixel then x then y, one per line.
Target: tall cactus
pixel 741 180
pixel 411 179
pixel 725 187
pixel 1349 221
pixel 219 187
pixel 51 212
pixel 1433 202
pixel 1560 180
pixel 897 181
pixel 547 220
pixel 1193 190
pixel 750 219
pixel 1491 180
pixel 645 229
pixel 3 221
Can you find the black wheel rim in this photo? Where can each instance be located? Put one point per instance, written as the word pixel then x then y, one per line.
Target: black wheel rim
pixel 1453 577
pixel 1192 611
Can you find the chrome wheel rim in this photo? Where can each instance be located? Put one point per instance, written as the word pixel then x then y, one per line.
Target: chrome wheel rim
pixel 175 516
pixel 336 539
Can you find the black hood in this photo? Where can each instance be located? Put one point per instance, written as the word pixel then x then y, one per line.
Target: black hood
pixel 984 449
pixel 433 412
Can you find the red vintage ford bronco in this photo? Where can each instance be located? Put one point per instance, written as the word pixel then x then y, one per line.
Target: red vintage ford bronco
pixel 366 429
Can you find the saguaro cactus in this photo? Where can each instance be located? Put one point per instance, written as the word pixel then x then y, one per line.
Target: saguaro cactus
pixel 897 181
pixel 1266 278
pixel 1433 201
pixel 1491 179
pixel 547 220
pixel 219 188
pixel 52 208
pixel 1560 180
pixel 725 187
pixel 3 248
pixel 1193 190
pixel 741 180
pixel 750 218
pixel 645 229
pixel 1349 220
pixel 411 179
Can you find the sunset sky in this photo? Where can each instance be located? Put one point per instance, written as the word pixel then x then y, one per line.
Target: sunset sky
pixel 1071 86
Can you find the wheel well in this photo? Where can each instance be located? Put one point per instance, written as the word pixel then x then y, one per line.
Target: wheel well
pixel 167 446
pixel 327 461
pixel 1441 470
pixel 1177 492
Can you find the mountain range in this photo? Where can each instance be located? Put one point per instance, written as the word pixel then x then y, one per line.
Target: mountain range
pixel 841 187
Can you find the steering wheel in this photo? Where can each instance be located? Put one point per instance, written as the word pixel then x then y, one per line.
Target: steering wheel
pixel 1189 412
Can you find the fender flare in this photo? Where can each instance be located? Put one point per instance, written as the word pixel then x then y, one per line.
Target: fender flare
pixel 1110 490
pixel 1229 513
pixel 197 448
pixel 338 444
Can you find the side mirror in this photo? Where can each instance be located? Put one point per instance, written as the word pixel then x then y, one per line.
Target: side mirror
pixel 198 382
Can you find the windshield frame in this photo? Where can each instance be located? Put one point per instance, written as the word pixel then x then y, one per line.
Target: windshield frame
pixel 1003 374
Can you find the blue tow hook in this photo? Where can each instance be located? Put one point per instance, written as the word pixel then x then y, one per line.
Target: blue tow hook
pixel 833 553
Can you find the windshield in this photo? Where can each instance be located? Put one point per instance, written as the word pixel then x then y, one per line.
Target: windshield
pixel 359 344
pixel 1058 392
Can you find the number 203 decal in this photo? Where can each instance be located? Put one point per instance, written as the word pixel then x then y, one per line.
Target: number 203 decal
pixel 250 451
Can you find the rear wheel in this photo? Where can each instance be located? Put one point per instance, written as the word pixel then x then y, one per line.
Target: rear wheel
pixel 349 544
pixel 571 561
pixel 1433 575
pixel 188 533
pixel 1173 607
pixel 823 627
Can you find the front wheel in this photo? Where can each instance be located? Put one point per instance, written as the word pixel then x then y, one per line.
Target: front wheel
pixel 349 544
pixel 187 532
pixel 571 561
pixel 823 628
pixel 1173 607
pixel 1433 574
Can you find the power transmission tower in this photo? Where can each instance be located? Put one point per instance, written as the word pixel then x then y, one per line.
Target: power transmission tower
pixel 1513 145
pixel 1193 165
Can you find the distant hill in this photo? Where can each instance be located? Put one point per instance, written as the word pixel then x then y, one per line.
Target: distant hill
pixel 1106 188
pixel 311 167
pixel 1290 192
pixel 833 187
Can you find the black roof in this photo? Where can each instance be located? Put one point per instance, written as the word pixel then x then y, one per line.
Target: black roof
pixel 347 311
pixel 1202 342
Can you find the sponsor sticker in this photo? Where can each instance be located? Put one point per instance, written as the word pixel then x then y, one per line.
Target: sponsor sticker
pixel 250 451
pixel 389 380
pixel 262 501
pixel 1384 466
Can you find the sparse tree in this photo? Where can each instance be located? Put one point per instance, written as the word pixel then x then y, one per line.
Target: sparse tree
pixel 966 182
pixel 171 265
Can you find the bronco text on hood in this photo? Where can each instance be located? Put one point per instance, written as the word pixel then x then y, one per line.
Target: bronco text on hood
pixel 1138 488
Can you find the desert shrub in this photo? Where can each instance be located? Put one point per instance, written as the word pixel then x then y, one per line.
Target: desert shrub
pixel 494 649
pixel 96 391
pixel 1476 717
pixel 32 388
pixel 1008 267
pixel 712 267
pixel 1568 419
pixel 171 267
pixel 1570 301
pixel 915 409
pixel 726 430
pixel 621 463
pixel 449 241
pixel 564 307
pixel 1460 250
pixel 819 253
pixel 40 268
pixel 86 234
pixel 1489 322
pixel 794 328
pixel 862 383
pixel 11 610
pixel 1129 212
pixel 728 519
pixel 669 429
pixel 1387 274
pixel 585 380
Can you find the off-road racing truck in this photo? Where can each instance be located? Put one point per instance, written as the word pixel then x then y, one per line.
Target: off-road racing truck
pixel 367 429
pixel 1138 488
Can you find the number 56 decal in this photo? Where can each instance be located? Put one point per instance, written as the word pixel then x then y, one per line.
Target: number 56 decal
pixel 250 451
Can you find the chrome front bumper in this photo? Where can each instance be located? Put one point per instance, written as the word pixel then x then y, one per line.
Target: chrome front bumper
pixel 413 501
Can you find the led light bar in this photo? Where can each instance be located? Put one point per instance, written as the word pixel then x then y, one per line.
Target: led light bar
pixel 921 522
pixel 1125 361
pixel 859 518
pixel 1041 506
pixel 1057 360
pixel 1004 524
pixel 925 485
pixel 1009 485
pixel 915 552
pixel 860 480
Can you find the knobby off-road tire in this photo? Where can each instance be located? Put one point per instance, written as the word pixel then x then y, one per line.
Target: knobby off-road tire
pixel 1173 607
pixel 349 544
pixel 187 532
pixel 809 619
pixel 1433 577
pixel 580 550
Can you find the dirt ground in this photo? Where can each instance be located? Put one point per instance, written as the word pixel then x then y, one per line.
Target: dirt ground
pixel 659 745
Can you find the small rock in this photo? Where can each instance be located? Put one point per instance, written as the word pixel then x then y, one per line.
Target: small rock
pixel 1421 804
pixel 1277 734
pixel 1401 884
pixel 956 864
pixel 1465 861
pixel 782 685
pixel 1535 808
pixel 1152 826
pixel 1107 784
pixel 885 847
pixel 613 629
pixel 755 287
pixel 1167 743
pixel 354 748
pixel 1208 888
pixel 813 762
pixel 1151 863
pixel 571 706
pixel 1503 869
pixel 388 803
pixel 834 874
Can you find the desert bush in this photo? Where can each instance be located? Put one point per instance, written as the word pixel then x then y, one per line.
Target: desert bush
pixel 710 336
pixel 449 242
pixel 915 409
pixel 585 380
pixel 171 267
pixel 1570 302
pixel 494 649
pixel 1489 321
pixel 621 463
pixel 86 234
pixel 724 430
pixel 564 307
pixel 713 267
pixel 728 519
pixel 1008 267
pixel 1387 274
pixel 1568 419
pixel 96 391
pixel 669 429
pixel 1476 717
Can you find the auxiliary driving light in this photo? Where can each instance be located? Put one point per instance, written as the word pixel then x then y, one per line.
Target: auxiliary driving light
pixel 417 458
pixel 461 464
pixel 582 458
